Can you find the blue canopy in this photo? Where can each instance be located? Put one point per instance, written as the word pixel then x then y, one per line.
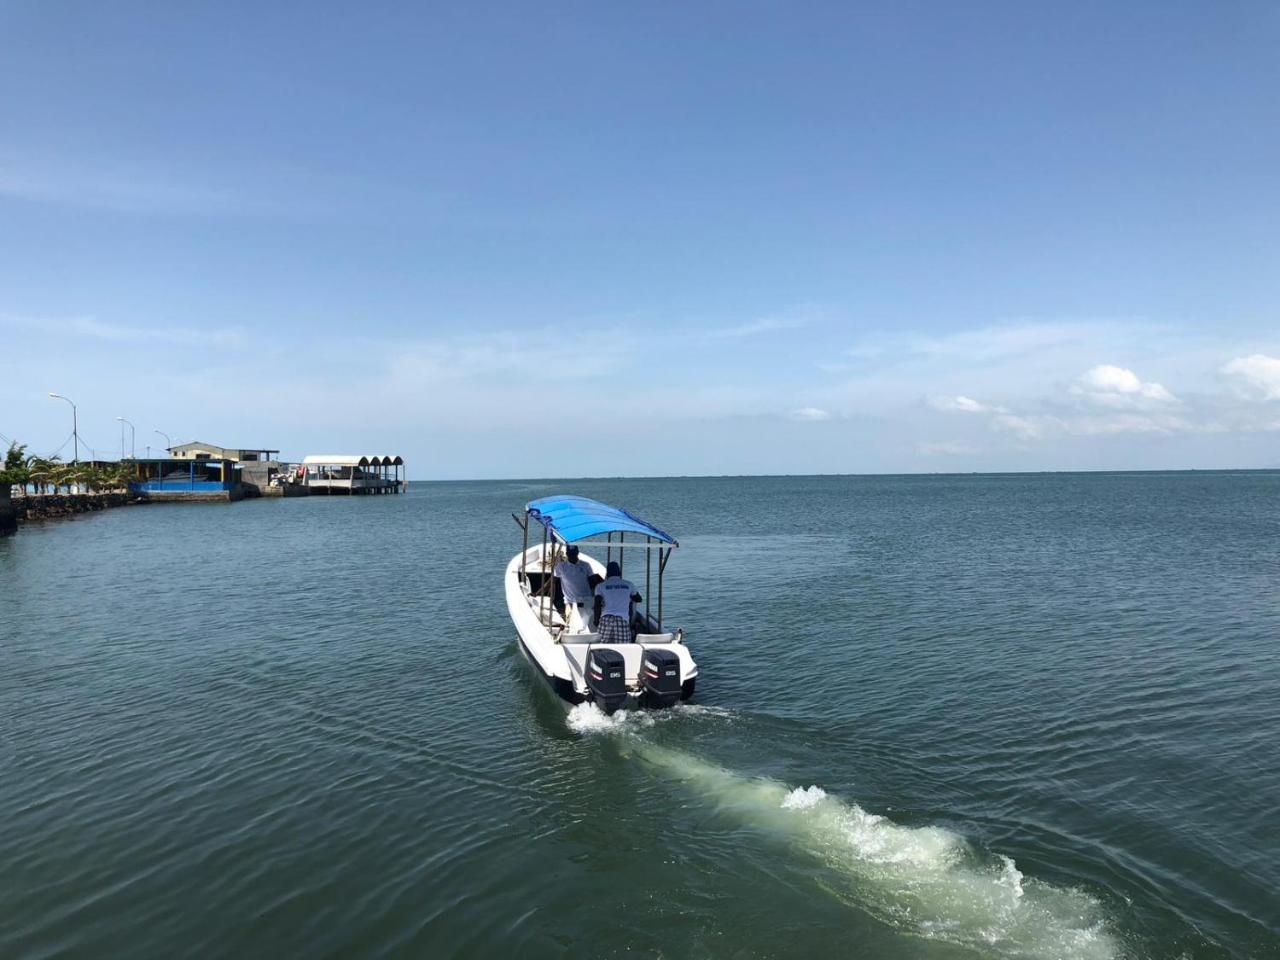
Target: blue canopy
pixel 577 518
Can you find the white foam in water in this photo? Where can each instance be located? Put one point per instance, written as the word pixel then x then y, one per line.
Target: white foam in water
pixel 697 710
pixel 801 798
pixel 925 880
pixel 587 718
pixel 1011 876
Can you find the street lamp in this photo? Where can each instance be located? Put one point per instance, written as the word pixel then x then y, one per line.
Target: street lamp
pixel 132 438
pixel 75 428
pixel 166 440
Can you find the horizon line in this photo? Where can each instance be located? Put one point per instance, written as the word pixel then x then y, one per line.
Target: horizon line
pixel 803 476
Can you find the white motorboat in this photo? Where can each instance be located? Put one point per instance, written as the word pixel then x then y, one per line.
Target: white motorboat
pixel 655 668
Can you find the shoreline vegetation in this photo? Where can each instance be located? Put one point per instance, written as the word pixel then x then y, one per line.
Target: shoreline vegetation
pixel 48 488
pixel 49 475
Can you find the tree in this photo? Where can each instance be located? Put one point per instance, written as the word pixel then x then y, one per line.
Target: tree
pixel 17 466
pixel 92 478
pixel 121 476
pixel 64 475
pixel 41 472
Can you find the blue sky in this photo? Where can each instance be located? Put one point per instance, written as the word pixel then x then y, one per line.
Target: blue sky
pixel 606 239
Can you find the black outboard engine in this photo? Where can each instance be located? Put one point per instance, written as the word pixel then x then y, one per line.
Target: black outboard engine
pixel 660 677
pixel 606 678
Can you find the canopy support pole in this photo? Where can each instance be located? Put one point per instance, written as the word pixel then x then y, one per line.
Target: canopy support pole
pixel 648 565
pixel 663 557
pixel 622 552
pixel 543 585
pixel 524 554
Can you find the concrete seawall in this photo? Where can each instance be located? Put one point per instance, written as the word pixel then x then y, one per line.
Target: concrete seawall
pixel 193 496
pixel 290 490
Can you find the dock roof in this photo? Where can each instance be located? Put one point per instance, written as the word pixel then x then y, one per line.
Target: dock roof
pixel 201 445
pixel 352 460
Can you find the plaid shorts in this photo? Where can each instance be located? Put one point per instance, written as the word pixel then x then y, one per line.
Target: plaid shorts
pixel 613 630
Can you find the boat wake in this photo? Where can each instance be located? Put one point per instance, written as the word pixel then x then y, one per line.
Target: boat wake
pixel 587 718
pixel 925 881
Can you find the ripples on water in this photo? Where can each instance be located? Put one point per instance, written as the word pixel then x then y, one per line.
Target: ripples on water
pixel 942 717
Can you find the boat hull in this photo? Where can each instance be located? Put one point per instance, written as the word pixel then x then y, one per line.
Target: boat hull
pixel 561 687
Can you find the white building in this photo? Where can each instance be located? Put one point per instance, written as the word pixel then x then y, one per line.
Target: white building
pixel 198 450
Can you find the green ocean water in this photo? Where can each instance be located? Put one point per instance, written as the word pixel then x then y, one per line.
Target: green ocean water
pixel 938 717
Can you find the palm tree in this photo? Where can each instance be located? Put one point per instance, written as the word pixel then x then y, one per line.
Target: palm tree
pixel 64 475
pixel 110 477
pixel 93 478
pixel 17 467
pixel 41 472
pixel 122 475
pixel 84 476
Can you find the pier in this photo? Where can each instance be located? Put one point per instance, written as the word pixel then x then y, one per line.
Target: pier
pixel 203 471
pixel 347 473
pixel 193 472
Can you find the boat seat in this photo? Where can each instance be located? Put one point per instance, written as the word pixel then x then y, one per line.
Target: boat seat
pixel 655 638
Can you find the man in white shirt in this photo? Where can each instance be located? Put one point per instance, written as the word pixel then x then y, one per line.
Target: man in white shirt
pixel 614 597
pixel 575 583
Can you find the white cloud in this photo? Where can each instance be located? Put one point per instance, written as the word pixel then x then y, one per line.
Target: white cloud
pixel 1116 387
pixel 959 404
pixel 1128 405
pixel 997 418
pixel 1035 370
pixel 810 414
pixel 880 372
pixel 1107 385
pixel 1257 375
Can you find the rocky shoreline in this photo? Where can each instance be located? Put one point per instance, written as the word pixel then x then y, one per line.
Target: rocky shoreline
pixel 54 506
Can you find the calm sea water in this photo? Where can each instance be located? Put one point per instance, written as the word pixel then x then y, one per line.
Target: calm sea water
pixel 940 717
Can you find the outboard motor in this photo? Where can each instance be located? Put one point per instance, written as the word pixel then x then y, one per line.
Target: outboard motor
pixel 660 677
pixel 606 678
